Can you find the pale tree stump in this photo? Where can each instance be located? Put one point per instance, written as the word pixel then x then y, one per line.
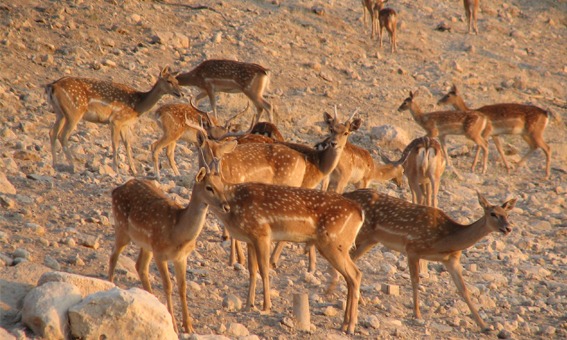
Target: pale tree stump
pixel 301 312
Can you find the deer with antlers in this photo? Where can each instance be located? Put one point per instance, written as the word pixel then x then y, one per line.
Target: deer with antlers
pixel 423 163
pixel 424 233
pixel 529 121
pixel 229 76
pixel 144 215
pixel 262 213
pixel 102 102
pixel 178 121
pixel 442 123
pixel 283 164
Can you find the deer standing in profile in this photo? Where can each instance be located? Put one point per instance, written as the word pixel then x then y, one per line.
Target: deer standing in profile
pixel 442 123
pixel 102 102
pixel 423 163
pixel 529 121
pixel 262 213
pixel 387 18
pixel 424 233
pixel 471 10
pixel 164 230
pixel 229 76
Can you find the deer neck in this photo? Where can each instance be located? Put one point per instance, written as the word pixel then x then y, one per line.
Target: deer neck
pixel 416 112
pixel 147 100
pixel 464 236
pixel 459 104
pixel 328 159
pixel 191 219
pixel 385 172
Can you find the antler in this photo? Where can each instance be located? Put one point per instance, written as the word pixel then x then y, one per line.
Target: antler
pixel 202 112
pixel 354 113
pixel 226 125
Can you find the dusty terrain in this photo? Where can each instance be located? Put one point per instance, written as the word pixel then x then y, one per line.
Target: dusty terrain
pixel 320 55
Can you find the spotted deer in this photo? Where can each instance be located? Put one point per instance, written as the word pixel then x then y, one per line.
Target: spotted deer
pixel 229 76
pixel 102 102
pixel 179 122
pixel 424 233
pixel 387 18
pixel 442 123
pixel 471 10
pixel 276 163
pixel 262 213
pixel 164 230
pixel 357 167
pixel 529 121
pixel 423 163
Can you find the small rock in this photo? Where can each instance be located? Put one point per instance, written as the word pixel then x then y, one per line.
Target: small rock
pixel 232 303
pixel 51 263
pixel 330 311
pixel 22 253
pixel 237 329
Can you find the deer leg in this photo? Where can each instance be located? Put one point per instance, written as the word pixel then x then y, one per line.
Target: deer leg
pixel 212 99
pixel 262 247
pixel 115 137
pixel 180 266
pixel 121 241
pixel 167 288
pixel 380 35
pixel 70 125
pixel 143 268
pixel 413 264
pixel 539 142
pixel 312 257
pixel 338 257
pixel 252 271
pixel 125 136
pixel 239 252
pixel 496 140
pixel 275 258
pixel 54 134
pixel 170 151
pixel 454 268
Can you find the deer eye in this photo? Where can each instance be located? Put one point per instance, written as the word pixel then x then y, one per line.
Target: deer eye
pixel 210 189
pixel 493 214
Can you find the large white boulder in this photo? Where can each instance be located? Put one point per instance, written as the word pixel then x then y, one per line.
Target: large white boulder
pixel 119 314
pixel 45 309
pixel 87 285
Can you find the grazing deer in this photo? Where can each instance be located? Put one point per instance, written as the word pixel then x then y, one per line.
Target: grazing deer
pixel 164 230
pixel 357 167
pixel 283 164
pixel 229 76
pixel 261 214
pixel 423 163
pixel 424 233
pixel 179 121
pixel 529 121
pixel 387 18
pixel 471 9
pixel 442 123
pixel 102 102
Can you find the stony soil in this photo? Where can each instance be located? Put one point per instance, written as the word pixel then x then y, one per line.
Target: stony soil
pixel 320 55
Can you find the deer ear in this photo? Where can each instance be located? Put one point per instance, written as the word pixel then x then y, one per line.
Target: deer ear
pixel 164 71
pixel 411 94
pixel 483 202
pixel 328 118
pixel 201 175
pixel 228 147
pixel 201 138
pixel 510 204
pixel 355 124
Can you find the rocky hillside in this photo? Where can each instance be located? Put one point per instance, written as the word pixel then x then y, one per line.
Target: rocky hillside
pixel 320 56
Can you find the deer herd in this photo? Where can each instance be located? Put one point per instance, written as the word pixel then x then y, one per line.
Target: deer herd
pixel 263 189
